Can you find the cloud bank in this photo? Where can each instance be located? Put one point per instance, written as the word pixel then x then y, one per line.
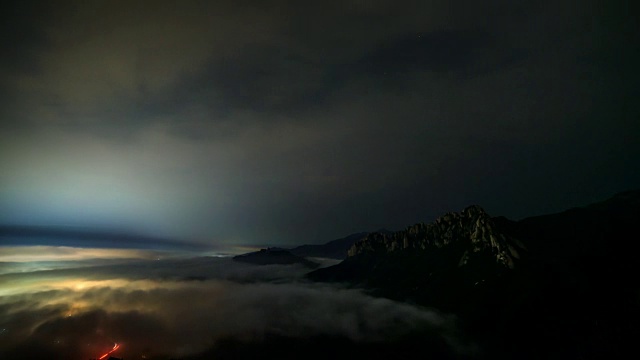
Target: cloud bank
pixel 204 304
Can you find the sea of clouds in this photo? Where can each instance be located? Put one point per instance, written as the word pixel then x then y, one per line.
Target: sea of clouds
pixel 179 307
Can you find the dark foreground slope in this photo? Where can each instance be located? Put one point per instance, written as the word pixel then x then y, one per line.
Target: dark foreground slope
pixel 553 286
pixel 273 256
pixel 419 345
pixel 336 249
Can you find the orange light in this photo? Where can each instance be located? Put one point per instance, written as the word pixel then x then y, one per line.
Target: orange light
pixel 115 347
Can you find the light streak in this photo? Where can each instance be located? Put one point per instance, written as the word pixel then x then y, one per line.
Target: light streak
pixel 115 347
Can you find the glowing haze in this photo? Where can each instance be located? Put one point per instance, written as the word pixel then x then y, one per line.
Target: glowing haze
pixel 183 306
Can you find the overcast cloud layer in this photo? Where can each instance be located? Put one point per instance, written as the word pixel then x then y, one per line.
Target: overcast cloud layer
pixel 290 122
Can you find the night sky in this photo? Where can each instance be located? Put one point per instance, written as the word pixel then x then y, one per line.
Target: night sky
pixel 291 122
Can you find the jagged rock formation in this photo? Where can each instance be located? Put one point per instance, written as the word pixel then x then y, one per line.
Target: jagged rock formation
pixel 438 264
pixel 573 286
pixel 472 227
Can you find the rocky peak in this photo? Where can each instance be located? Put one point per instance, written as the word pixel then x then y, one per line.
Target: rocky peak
pixel 472 230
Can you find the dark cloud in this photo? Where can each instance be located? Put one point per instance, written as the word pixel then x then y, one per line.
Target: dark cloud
pixel 287 123
pixel 436 51
pixel 86 237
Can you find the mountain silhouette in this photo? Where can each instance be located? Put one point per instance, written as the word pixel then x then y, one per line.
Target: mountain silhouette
pixel 272 256
pixel 560 285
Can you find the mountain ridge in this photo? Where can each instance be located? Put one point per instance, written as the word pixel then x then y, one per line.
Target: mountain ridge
pixel 274 256
pixel 335 249
pixel 472 224
pixel 573 269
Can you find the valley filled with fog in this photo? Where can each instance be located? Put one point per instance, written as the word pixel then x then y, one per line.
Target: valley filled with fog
pixel 173 307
